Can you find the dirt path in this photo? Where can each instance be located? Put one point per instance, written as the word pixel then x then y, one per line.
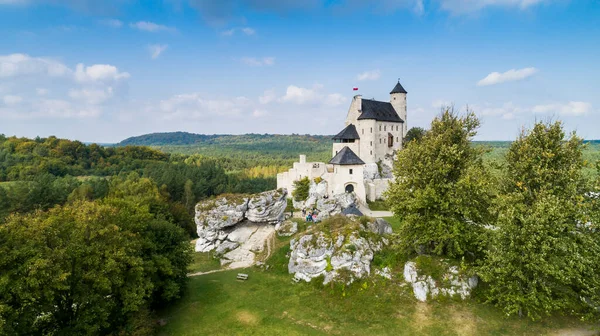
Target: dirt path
pixel 207 272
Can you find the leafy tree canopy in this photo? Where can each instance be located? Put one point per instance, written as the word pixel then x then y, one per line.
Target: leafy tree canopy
pixel 441 189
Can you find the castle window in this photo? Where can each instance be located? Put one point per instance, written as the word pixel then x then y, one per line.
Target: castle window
pixel 371 129
pixel 350 170
pixel 363 131
pixel 397 139
pixel 371 143
pixel 379 140
pixel 380 128
pixel 385 128
pixel 396 128
pixel 371 152
pixel 390 140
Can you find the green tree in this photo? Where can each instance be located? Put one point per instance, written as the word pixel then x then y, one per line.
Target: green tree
pixel 88 268
pixel 543 255
pixel 415 133
pixel 301 189
pixel 188 194
pixel 441 190
pixel 70 271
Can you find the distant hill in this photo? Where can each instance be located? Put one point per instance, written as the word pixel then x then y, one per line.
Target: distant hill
pixel 245 146
pixel 169 138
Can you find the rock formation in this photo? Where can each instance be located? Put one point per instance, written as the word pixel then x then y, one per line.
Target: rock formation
pixel 350 250
pixel 452 283
pixel 218 219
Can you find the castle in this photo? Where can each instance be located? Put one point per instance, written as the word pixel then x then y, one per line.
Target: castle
pixel 363 152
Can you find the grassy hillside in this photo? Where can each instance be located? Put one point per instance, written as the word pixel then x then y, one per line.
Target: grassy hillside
pixel 270 303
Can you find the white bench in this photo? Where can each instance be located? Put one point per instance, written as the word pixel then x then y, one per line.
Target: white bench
pixel 296 279
pixel 242 276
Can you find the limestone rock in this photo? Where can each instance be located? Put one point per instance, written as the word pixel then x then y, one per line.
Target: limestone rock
pixel 216 218
pixel 319 254
pixel 267 207
pixel 384 273
pixel 452 284
pixel 287 228
pixel 380 226
pixel 225 247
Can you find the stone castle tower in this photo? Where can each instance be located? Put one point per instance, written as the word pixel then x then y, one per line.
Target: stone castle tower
pixel 373 134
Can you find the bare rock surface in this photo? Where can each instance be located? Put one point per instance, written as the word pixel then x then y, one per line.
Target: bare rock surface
pixel 329 254
pixel 452 284
pixel 217 220
pixel 287 228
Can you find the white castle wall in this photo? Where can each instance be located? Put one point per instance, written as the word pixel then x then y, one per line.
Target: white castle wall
pixel 337 178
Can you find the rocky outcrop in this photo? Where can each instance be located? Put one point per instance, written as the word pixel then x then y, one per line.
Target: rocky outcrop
pixel 452 283
pixel 380 226
pixel 287 228
pixel 330 255
pixel 218 219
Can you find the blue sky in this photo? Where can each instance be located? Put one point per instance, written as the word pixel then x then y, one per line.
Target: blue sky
pixel 106 70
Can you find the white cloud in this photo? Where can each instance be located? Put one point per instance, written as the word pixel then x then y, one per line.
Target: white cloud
pixel 572 108
pixel 511 111
pixel 248 31
pixel 267 97
pixel 419 7
pixel 508 76
pixel 369 75
pixel 50 108
pixel 507 111
pixel 228 32
pixel 299 95
pixel 253 61
pixel 334 99
pixel 157 49
pixel 259 113
pixel 244 30
pixel 21 64
pixel 112 23
pixel 12 100
pixel 99 72
pixel 94 85
pixel 92 96
pixel 196 106
pixel 470 6
pixel 151 27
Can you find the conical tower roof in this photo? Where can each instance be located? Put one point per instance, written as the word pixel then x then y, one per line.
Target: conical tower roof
pixel 398 88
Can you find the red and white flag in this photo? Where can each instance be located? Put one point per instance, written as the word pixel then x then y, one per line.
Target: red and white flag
pixel 354 89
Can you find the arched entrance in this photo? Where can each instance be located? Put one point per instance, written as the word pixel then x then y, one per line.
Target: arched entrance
pixel 349 188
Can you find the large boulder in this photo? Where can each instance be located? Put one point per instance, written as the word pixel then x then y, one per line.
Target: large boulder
pixel 217 220
pixel 267 207
pixel 452 283
pixel 329 253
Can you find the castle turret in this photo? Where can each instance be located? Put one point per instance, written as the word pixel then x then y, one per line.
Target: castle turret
pixel 398 101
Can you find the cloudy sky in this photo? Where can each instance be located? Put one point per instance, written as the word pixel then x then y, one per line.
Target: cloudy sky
pixel 106 70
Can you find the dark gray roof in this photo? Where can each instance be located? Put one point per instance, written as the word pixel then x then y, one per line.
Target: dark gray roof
pixel 352 210
pixel 346 157
pixel 380 111
pixel 347 133
pixel 398 89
